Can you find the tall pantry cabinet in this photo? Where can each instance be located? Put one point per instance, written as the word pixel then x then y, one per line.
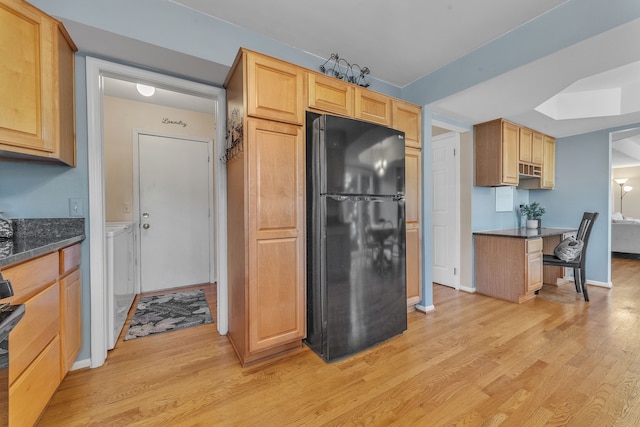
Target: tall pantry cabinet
pixel 265 201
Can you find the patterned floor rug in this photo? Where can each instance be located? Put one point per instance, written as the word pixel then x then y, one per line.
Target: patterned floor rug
pixel 169 312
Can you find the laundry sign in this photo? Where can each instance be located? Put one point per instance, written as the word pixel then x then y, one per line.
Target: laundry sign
pixel 168 121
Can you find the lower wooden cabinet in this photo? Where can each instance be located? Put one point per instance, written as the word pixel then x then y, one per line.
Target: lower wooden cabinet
pixel 30 393
pixel 45 343
pixel 508 268
pixel 70 320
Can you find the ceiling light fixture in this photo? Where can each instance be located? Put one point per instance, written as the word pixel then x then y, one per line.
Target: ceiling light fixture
pixel 145 90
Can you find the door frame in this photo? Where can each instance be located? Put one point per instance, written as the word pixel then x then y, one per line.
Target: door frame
pixel 136 196
pixel 95 69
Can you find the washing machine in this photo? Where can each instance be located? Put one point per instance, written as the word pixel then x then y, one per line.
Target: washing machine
pixel 121 282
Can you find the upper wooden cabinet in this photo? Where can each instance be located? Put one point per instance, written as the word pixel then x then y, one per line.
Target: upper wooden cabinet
pixel 549 163
pixel 496 152
pixel 373 107
pixel 330 94
pixel 508 154
pixel 526 142
pixel 408 118
pixel 36 86
pixel 536 148
pixel 275 89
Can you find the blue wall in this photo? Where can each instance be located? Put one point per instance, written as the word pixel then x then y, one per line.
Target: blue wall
pixel 35 190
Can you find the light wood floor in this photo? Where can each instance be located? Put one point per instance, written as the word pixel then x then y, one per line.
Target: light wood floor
pixel 474 361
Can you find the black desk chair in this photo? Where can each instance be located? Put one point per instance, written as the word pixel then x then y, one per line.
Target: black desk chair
pixel 578 265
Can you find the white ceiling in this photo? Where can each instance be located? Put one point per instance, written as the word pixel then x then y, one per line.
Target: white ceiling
pixel 395 40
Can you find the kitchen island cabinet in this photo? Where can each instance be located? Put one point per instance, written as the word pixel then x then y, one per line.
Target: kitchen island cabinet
pixel 37 118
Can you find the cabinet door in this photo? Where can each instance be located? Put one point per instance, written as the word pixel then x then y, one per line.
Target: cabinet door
pixel 413 235
pixel 275 89
pixel 526 138
pixel 26 83
pixel 70 319
pixel 536 149
pixel 549 162
pixel 41 322
pixel 330 94
pixel 31 392
pixel 510 146
pixel 533 281
pixel 373 107
pixel 408 118
pixel 277 307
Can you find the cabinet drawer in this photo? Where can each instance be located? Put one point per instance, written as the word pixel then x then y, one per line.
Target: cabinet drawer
pixel 31 392
pixel 41 322
pixel 69 258
pixel 30 277
pixel 534 245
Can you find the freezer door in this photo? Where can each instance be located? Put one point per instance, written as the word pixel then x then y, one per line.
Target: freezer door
pixel 360 158
pixel 364 275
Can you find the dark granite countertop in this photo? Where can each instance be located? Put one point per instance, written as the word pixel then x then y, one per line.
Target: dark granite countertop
pixel 33 237
pixel 526 233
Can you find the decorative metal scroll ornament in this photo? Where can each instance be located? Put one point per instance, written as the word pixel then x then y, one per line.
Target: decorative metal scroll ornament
pixel 233 136
pixel 342 69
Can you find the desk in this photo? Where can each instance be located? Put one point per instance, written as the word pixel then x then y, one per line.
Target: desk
pixel 508 263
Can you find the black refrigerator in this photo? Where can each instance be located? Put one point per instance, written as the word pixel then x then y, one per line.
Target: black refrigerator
pixel 356 264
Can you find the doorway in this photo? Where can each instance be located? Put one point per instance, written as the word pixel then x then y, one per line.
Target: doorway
pixel 445 214
pixel 96 70
pixel 173 211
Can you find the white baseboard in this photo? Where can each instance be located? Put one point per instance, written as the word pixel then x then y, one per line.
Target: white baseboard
pixel 81 364
pixel 468 289
pixel 424 309
pixel 600 284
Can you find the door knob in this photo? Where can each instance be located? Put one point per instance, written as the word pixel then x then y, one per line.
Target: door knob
pixel 145 226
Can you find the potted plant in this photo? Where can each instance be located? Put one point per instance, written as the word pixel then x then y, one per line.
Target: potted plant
pixel 533 212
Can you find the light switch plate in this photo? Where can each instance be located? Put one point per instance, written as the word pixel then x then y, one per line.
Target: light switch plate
pixel 75 207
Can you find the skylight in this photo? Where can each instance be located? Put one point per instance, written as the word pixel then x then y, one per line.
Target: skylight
pixel 611 93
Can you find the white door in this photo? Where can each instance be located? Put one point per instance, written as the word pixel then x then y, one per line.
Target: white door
pixel 174 212
pixel 446 218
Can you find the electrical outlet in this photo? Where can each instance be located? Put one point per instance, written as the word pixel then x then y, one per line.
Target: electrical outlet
pixel 75 207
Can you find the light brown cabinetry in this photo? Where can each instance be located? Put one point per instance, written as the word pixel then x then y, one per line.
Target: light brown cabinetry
pixel 275 89
pixel 373 107
pixel 496 152
pixel 508 268
pixel 549 163
pixel 330 95
pixel 413 226
pixel 38 359
pixel 526 143
pixel 508 154
pixel 36 86
pixel 408 118
pixel 70 307
pixel 266 223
